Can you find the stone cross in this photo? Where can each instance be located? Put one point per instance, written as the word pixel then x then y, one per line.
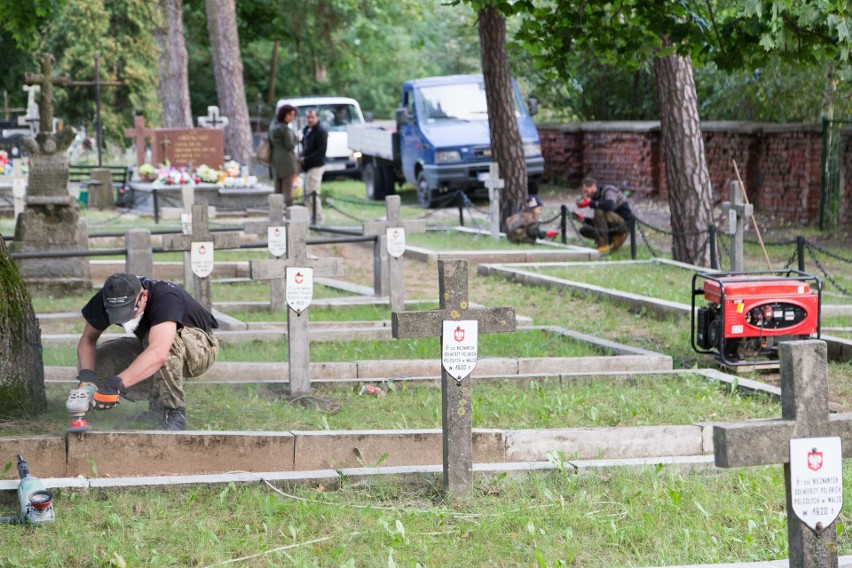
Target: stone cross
pixel 390 280
pixel 276 219
pixel 494 185
pixel 140 134
pixel 46 80
pixel 804 414
pixel 297 323
pixel 31 117
pixel 738 214
pixel 455 395
pixel 213 119
pixel 19 188
pixel 201 233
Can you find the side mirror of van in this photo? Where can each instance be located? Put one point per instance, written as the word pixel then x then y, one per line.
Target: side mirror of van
pixel 532 103
pixel 368 116
pixel 402 116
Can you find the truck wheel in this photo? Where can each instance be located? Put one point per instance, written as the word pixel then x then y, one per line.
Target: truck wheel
pixel 373 182
pixel 424 193
pixel 387 179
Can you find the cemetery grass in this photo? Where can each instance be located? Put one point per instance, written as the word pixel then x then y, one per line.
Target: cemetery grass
pixel 369 312
pixel 647 516
pixel 524 343
pixel 546 402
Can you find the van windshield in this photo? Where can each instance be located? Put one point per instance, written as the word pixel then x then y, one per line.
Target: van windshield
pixel 332 117
pixel 460 101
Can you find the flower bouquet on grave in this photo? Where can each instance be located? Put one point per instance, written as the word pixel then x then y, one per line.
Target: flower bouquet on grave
pixel 147 173
pixel 167 175
pixel 206 174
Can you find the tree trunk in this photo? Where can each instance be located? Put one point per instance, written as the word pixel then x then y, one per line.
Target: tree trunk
pixel 273 74
pixel 21 363
pixel 174 81
pixel 505 136
pixel 228 68
pixel 690 194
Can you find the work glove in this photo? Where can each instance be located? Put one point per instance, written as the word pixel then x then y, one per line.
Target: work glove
pixel 85 376
pixel 584 202
pixel 107 395
pixel 579 217
pixel 550 235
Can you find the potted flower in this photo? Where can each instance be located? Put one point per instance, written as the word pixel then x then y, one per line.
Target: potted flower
pixel 147 173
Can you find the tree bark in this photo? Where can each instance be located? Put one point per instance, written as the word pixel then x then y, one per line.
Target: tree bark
pixel 505 136
pixel 228 69
pixel 687 176
pixel 273 73
pixel 174 80
pixel 21 363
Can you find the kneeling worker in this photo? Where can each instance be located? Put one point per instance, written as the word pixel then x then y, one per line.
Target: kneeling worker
pixel 608 228
pixel 523 227
pixel 173 339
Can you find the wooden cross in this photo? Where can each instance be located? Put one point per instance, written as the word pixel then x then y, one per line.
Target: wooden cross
pixel 46 80
pixel 297 322
pixel 804 414
pixel 276 219
pixel 494 185
pixel 140 135
pixel 390 280
pixel 738 214
pixel 455 395
pixel 201 233
pixel 213 119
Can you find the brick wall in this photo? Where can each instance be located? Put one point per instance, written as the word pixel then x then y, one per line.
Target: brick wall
pixel 779 163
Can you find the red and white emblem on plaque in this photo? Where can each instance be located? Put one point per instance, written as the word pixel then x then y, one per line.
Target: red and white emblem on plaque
pixel 814 460
pixel 299 278
pixel 458 334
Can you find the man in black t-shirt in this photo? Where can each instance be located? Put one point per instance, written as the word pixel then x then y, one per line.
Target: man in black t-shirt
pixel 172 338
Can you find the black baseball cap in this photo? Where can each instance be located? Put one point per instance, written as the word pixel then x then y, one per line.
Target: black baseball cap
pixel 120 291
pixel 534 201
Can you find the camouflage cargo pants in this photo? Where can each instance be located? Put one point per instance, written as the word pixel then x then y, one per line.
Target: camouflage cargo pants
pixel 603 226
pixel 193 351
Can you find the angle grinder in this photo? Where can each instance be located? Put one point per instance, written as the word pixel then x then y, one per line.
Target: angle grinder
pixel 80 401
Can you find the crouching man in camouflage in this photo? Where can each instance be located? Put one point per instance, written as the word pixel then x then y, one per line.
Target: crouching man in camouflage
pixel 172 339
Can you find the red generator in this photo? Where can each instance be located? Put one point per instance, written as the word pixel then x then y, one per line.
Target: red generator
pixel 749 313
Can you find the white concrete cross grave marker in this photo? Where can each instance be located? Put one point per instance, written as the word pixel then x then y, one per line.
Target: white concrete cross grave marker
pixel 297 320
pixel 213 119
pixel 806 427
pixel 31 118
pixel 455 316
pixel 492 181
pixel 201 235
pixel 738 214
pixel 388 277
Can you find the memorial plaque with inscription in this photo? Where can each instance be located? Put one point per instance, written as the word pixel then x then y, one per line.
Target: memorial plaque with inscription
pixel 184 146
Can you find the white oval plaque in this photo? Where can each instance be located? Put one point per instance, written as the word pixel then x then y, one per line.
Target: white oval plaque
pixel 816 479
pixel 276 240
pixel 300 288
pixel 460 344
pixel 201 258
pixel 396 241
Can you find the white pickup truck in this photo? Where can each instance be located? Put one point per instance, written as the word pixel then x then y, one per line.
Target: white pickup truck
pixel 335 114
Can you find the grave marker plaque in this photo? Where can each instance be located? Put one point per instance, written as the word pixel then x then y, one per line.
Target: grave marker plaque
pixel 185 146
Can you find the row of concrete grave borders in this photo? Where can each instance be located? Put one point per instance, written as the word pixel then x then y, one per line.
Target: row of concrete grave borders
pixel 839 349
pixel 155 453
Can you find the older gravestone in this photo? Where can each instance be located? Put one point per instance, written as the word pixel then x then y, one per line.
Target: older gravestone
pixel 806 423
pixel 458 325
pixel 738 214
pixel 51 219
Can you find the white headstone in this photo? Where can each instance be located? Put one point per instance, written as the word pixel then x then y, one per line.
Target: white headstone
pixel 213 119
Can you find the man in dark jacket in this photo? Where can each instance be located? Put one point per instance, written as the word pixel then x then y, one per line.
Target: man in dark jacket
pixel 608 227
pixel 314 145
pixel 172 338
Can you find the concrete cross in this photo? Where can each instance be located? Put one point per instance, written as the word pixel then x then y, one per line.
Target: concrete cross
pixel 804 414
pixel 390 279
pixel 46 80
pixel 140 134
pixel 455 396
pixel 201 233
pixel 738 214
pixel 297 323
pixel 260 228
pixel 213 119
pixel 494 185
pixel 31 117
pixel 19 188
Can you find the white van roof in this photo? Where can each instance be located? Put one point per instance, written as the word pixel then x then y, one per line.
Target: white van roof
pixel 313 101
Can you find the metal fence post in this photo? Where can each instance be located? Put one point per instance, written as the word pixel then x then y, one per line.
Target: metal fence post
pixel 800 252
pixel 632 225
pixel 714 256
pixel 563 223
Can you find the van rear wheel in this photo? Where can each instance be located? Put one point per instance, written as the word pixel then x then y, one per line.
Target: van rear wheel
pixel 374 181
pixel 424 192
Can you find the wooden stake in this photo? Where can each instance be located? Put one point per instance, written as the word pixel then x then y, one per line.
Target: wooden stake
pixel 753 220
